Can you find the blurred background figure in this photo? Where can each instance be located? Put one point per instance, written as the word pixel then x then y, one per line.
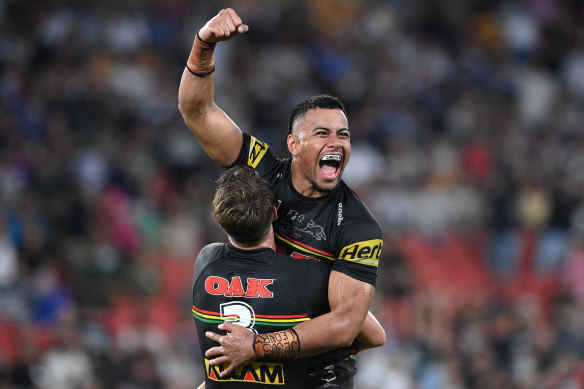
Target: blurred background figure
pixel 468 146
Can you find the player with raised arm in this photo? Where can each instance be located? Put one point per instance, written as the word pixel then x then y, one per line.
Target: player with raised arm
pixel 320 219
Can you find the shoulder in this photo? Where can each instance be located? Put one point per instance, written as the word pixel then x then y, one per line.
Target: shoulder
pixel 354 213
pixel 207 255
pixel 211 250
pixel 256 151
pixel 260 156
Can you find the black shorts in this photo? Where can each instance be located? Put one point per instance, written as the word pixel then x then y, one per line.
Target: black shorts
pixel 338 375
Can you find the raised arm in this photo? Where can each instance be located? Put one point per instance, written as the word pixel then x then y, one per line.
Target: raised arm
pixel 217 133
pixel 349 300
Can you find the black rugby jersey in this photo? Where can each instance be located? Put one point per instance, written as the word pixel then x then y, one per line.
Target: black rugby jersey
pixel 337 229
pixel 266 292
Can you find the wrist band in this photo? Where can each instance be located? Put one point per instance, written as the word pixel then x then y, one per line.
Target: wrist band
pixel 204 41
pixel 202 75
pixel 277 345
pixel 297 341
pixel 201 62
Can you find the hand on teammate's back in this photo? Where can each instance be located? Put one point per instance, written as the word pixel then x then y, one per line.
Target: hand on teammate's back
pixel 235 348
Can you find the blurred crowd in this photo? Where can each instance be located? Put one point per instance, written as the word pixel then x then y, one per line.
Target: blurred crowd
pixel 468 146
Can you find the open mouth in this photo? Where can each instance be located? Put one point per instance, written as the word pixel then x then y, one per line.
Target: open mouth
pixel 330 165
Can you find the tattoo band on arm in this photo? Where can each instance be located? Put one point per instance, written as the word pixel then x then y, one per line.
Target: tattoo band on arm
pixel 277 345
pixel 201 62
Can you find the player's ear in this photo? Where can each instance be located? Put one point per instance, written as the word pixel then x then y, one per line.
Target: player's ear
pixel 293 144
pixel 275 212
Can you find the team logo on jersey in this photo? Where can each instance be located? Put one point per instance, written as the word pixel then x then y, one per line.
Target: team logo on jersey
pixel 257 150
pixel 256 287
pixel 311 228
pixel 256 372
pixel 314 230
pixel 294 215
pixel 366 253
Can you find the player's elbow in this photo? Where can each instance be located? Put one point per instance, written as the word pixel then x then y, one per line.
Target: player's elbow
pixel 181 107
pixel 194 114
pixel 370 339
pixel 348 330
pixel 378 339
pixel 344 341
pixel 193 106
pixel 189 109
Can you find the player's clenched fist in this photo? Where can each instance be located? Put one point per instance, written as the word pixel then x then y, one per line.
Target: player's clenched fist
pixel 224 26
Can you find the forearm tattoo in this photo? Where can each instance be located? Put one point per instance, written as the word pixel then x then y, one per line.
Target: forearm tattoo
pixel 201 61
pixel 277 345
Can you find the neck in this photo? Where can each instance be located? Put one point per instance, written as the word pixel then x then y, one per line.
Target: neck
pixel 304 186
pixel 267 242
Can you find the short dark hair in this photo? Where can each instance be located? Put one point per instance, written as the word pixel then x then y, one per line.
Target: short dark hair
pixel 313 102
pixel 243 205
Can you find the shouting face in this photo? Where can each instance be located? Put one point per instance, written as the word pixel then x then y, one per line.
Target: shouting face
pixel 320 145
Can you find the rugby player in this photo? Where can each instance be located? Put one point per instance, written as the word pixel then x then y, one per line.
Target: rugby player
pixel 320 219
pixel 246 281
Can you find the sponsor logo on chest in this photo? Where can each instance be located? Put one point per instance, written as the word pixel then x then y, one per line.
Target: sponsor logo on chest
pixel 254 288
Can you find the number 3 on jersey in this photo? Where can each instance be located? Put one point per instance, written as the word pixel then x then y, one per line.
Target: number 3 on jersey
pixel 239 313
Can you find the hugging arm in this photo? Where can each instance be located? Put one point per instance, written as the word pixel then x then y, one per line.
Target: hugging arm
pixel 349 299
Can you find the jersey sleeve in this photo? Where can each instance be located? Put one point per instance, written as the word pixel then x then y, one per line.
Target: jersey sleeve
pixel 361 241
pixel 260 156
pixel 205 257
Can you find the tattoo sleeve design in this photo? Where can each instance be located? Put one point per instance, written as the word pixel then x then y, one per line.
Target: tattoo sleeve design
pixel 277 345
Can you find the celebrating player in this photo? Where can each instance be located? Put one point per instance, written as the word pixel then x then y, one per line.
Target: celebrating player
pixel 321 221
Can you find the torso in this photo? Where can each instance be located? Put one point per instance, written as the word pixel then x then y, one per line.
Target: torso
pixel 267 292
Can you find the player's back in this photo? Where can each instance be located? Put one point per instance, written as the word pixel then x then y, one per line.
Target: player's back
pixel 262 291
